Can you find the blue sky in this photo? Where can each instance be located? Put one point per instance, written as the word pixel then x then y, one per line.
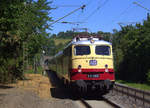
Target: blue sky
pixel 98 15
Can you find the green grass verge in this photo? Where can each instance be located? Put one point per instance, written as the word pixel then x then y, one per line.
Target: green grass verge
pixel 136 85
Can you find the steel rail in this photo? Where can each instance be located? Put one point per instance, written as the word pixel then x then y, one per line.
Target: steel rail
pixel 112 103
pixel 85 103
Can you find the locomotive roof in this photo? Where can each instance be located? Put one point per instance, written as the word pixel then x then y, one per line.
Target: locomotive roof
pixel 88 42
pixel 85 41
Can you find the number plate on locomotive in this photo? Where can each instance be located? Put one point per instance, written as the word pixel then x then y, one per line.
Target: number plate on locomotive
pixel 93 76
pixel 93 62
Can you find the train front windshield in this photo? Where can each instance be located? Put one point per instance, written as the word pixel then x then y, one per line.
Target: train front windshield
pixel 102 50
pixel 82 50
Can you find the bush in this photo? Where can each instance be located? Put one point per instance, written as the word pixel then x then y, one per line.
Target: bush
pixel 148 76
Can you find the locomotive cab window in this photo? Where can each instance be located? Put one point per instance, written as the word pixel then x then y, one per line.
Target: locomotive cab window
pixel 82 50
pixel 102 50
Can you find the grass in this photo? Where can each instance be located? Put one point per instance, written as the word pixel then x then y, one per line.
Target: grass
pixel 63 41
pixel 143 86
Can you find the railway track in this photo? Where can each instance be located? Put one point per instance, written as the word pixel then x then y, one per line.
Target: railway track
pixel 86 102
pixel 102 103
pixel 128 98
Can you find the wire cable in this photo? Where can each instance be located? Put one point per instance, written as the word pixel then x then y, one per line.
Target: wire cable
pixel 65 5
pixel 81 13
pixel 93 12
pixel 122 13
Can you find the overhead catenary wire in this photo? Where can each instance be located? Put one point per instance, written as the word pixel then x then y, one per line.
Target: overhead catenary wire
pixel 124 23
pixel 73 23
pixel 57 6
pixel 93 12
pixel 82 7
pixel 88 3
pixel 136 3
pixel 81 13
pixel 122 13
pixel 141 6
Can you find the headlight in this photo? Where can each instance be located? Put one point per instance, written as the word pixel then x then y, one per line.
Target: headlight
pixel 106 68
pixel 79 68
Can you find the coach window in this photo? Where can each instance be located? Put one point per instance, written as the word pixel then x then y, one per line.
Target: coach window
pixel 82 50
pixel 102 50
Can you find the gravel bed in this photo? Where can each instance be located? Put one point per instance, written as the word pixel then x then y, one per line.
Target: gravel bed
pixel 125 101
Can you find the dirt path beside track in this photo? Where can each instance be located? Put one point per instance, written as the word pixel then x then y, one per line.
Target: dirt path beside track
pixel 31 93
pixel 36 83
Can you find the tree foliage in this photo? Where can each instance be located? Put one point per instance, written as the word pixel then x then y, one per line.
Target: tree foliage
pixel 23 25
pixel 132 49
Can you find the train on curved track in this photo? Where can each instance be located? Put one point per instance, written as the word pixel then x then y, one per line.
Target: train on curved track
pixel 85 64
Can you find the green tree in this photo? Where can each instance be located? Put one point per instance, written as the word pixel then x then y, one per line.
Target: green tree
pixel 23 26
pixel 131 49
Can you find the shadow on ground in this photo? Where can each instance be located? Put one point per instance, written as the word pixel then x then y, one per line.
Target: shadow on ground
pixel 59 90
pixel 5 87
